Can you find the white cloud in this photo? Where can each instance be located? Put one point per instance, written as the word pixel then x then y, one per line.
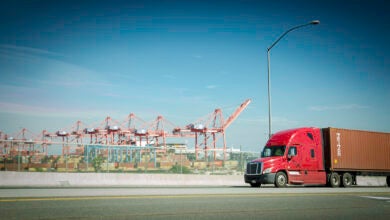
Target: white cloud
pixel 18 50
pixel 337 107
pixel 7 107
pixel 43 68
pixel 211 86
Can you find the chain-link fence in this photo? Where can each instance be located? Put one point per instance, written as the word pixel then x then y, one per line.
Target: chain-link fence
pixel 120 159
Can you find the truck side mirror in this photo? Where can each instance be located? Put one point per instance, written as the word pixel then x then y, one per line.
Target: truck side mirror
pixel 291 152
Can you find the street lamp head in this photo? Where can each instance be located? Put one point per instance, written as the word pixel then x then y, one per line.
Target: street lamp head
pixel 315 22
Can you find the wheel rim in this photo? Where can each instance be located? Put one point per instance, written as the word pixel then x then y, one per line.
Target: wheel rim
pixel 347 181
pixel 335 180
pixel 281 180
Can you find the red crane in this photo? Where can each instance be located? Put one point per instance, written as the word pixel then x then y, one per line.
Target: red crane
pixel 22 143
pixel 162 128
pixel 129 129
pixel 155 130
pixel 107 132
pixel 213 128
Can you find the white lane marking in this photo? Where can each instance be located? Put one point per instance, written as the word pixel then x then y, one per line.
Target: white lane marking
pixel 377 198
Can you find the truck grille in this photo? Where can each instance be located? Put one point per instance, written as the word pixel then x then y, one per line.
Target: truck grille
pixel 254 168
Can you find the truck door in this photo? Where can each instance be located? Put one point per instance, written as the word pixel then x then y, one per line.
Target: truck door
pixel 294 166
pixel 311 166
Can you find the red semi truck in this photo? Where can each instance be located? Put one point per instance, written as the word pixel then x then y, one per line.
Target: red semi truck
pixel 320 156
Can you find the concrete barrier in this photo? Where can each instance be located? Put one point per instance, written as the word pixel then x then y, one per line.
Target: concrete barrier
pixel 371 180
pixel 42 179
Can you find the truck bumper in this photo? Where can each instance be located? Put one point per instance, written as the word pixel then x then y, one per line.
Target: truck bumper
pixel 268 178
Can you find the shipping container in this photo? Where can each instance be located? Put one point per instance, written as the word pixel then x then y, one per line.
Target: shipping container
pixel 355 150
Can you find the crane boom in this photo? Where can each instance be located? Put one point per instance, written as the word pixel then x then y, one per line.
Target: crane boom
pixel 236 113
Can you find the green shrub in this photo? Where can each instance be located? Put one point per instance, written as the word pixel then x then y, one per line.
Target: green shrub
pixel 179 169
pixel 97 163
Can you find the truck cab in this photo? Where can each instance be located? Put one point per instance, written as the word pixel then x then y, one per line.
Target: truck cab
pixel 294 156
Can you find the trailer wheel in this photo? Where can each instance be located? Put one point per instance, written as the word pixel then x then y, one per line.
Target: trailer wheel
pixel 334 180
pixel 347 180
pixel 280 179
pixel 388 180
pixel 255 184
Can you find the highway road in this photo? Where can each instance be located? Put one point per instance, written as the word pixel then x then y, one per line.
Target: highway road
pixel 195 203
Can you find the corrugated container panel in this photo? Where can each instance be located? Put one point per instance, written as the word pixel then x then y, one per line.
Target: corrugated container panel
pixel 358 150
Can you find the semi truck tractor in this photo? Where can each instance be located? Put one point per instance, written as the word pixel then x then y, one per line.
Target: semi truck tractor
pixel 320 156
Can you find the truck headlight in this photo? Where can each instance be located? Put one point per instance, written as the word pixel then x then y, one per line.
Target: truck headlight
pixel 268 170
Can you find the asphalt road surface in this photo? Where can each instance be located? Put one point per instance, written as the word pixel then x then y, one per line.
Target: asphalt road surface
pixel 195 203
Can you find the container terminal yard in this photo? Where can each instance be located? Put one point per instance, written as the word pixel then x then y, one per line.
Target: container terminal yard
pixel 131 145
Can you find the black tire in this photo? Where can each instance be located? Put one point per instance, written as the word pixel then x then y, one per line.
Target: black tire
pixel 280 180
pixel 334 180
pixel 388 181
pixel 255 184
pixel 347 180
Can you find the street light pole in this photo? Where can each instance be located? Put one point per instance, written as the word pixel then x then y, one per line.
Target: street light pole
pixel 315 22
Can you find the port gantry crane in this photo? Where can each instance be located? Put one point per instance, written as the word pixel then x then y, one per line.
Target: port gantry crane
pixel 129 128
pixel 214 127
pixel 107 132
pixel 67 136
pixel 162 128
pixel 23 143
pixel 133 132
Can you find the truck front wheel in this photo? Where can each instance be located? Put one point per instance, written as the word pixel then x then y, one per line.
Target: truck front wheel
pixel 388 180
pixel 334 180
pixel 280 179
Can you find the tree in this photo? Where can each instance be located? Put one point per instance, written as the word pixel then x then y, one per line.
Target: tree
pixel 97 163
pixel 179 169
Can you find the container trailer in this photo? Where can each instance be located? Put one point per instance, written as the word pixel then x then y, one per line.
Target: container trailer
pixel 320 156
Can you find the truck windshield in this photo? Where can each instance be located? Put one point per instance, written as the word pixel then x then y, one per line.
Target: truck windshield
pixel 273 151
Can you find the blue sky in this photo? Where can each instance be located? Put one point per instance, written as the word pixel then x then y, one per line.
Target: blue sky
pixel 63 61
